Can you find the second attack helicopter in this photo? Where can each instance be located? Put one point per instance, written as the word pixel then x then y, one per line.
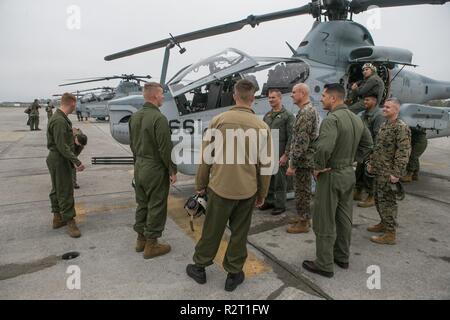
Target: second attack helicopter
pixel 333 51
pixel 96 104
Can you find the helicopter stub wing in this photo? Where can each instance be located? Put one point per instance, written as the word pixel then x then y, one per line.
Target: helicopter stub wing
pixel 426 117
pixel 358 6
pixel 216 30
pixel 381 54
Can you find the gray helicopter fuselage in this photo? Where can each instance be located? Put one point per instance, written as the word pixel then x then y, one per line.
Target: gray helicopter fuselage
pixel 100 110
pixel 328 51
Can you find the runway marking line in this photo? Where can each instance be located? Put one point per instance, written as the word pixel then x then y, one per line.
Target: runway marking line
pixel 253 265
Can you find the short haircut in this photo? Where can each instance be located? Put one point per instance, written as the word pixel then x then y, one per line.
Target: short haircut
pixel 244 90
pixel 68 98
pixel 302 86
pixel 336 89
pixel 151 86
pixel 277 91
pixel 394 100
pixel 82 138
pixel 371 96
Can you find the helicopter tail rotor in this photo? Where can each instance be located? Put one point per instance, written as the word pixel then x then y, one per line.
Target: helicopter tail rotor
pixel 358 6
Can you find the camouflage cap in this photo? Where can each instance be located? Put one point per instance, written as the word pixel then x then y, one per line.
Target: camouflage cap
pixel 370 66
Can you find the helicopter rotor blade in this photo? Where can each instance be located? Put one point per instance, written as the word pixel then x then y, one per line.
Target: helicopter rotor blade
pixel 142 77
pixel 85 81
pixel 358 6
pixel 216 30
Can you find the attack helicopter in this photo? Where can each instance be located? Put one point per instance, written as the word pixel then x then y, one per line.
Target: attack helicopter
pixel 334 50
pixel 95 105
pixel 87 97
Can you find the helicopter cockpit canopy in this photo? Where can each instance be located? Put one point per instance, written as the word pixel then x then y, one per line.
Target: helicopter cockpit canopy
pixel 225 63
pixel 208 84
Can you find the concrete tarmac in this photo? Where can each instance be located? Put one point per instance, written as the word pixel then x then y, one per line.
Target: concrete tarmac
pixel 418 267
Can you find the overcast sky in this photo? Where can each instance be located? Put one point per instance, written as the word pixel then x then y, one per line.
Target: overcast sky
pixel 38 51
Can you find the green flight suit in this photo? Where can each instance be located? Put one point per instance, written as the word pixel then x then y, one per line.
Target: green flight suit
pixel 419 144
pixel 372 85
pixel 49 109
pixel 34 116
pixel 282 121
pixel 342 138
pixel 373 120
pixel 150 142
pixel 220 211
pixel 60 161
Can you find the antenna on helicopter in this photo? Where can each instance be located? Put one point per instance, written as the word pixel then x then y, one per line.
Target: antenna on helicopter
pixel 172 42
pixel 175 42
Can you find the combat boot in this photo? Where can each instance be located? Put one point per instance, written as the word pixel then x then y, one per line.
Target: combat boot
pixel 407 178
pixel 58 221
pixel 415 176
pixel 294 220
pixel 369 202
pixel 140 243
pixel 377 228
pixel 387 238
pixel 357 195
pixel 153 249
pixel 303 226
pixel 72 229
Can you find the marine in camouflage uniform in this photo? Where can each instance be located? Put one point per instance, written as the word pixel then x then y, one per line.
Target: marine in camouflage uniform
pixel 282 121
pixel 372 85
pixel 419 144
pixel 389 158
pixel 305 132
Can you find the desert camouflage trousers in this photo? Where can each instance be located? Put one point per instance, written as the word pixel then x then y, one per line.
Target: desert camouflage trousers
pixel 303 194
pixel 386 203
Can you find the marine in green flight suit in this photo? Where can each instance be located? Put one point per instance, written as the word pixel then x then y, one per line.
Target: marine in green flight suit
pixel 371 85
pixel 150 142
pixel 60 161
pixel 419 144
pixel 342 138
pixel 49 109
pixel 34 115
pixel 282 120
pixel 372 118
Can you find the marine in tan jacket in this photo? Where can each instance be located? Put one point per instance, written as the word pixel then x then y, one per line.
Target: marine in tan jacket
pixel 233 187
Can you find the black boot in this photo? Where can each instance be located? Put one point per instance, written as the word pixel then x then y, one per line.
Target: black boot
pixel 233 280
pixel 311 267
pixel 197 273
pixel 266 206
pixel 278 211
